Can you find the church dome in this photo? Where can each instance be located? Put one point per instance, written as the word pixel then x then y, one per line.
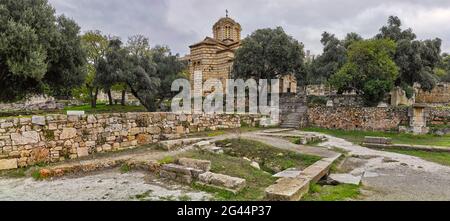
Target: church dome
pixel 227 29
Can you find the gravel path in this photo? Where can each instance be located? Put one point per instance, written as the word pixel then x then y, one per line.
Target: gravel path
pixel 392 176
pixel 108 185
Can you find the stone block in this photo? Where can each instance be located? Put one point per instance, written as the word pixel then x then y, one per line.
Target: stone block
pixel 167 174
pixel 288 189
pixel 177 169
pixel 204 165
pixel 38 120
pixel 68 133
pixel 82 152
pixel 346 178
pixel 75 113
pixel 220 180
pixel 8 164
pixel 289 173
pixel 377 140
pixel 6 125
pixel 24 138
pixel 91 119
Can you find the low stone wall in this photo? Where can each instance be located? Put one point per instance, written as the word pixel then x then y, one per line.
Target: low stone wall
pixel 358 118
pixel 52 138
pixel 438 117
pixel 33 104
pixel 440 95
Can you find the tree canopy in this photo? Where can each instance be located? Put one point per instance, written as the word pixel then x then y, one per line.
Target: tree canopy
pixel 39 52
pixel 369 70
pixel 416 59
pixel 269 54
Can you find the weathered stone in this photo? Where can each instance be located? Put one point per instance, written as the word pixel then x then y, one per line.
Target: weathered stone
pixel 378 140
pixel 220 180
pixel 68 144
pixel 204 165
pixel 45 173
pixel 68 133
pixel 73 118
pixel 106 147
pixel 171 145
pixel 91 119
pixel 38 120
pixel 82 152
pixel 39 155
pixel 346 179
pixel 202 144
pixel 75 113
pixel 6 125
pixel 7 164
pixel 288 189
pixel 289 173
pixel 177 169
pixel 180 130
pixel 28 137
pixel 255 165
pixel 90 144
pixel 167 174
pixel 143 139
pixel 52 126
pixel 154 130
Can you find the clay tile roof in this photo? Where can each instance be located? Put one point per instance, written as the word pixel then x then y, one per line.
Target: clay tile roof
pixel 207 41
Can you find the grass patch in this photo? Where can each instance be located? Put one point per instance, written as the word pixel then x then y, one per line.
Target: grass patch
pixel 103 108
pixel 143 196
pixel 125 168
pixel 397 138
pixel 270 159
pixel 216 133
pixel 36 175
pixel 167 160
pixel 257 180
pixel 342 192
pixel 437 157
pixel 184 198
pixel 16 173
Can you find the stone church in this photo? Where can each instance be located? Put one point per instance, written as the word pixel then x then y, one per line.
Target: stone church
pixel 214 56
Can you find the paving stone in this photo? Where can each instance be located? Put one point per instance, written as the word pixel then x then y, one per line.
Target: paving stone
pixel 289 173
pixel 220 180
pixel 346 178
pixel 204 165
pixel 288 189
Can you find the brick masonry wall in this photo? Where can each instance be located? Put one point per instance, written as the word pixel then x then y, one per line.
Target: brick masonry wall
pixel 358 118
pixel 53 138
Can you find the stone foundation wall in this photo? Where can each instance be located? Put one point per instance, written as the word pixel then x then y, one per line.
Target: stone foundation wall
pixel 32 104
pixel 53 138
pixel 440 95
pixel 438 117
pixel 358 118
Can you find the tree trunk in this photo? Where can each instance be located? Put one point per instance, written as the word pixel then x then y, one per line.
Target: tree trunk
pixel 94 99
pixel 124 93
pixel 110 97
pixel 143 102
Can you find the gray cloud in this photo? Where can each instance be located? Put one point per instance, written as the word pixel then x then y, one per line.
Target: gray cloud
pixel 179 23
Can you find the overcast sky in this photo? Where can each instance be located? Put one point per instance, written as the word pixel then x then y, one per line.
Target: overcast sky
pixel 180 23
